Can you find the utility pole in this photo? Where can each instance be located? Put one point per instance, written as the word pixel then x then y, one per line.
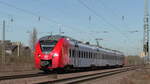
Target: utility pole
pixel 18 44
pixel 146 32
pixel 3 43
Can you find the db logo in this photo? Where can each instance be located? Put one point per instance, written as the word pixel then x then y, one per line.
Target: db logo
pixel 46 56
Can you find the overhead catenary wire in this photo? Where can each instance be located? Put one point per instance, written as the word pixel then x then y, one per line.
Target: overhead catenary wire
pixel 107 22
pixel 102 18
pixel 37 15
pixel 115 13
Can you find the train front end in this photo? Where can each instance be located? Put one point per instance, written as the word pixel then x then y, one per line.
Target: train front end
pixel 47 53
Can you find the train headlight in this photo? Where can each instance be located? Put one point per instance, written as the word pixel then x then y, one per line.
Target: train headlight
pixel 55 55
pixel 39 55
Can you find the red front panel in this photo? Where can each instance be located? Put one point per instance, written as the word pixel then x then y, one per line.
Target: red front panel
pixel 58 56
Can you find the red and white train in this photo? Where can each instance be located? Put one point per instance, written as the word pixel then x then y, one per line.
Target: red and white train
pixel 55 52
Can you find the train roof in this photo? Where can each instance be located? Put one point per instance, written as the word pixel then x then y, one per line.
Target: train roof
pixel 52 36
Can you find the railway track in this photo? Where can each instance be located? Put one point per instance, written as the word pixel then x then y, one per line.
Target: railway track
pixel 21 76
pixel 87 77
pixel 69 77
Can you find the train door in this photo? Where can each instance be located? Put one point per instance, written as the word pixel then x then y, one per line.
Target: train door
pixel 76 59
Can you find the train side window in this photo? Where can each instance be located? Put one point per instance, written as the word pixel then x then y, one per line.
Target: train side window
pixel 108 56
pixel 98 54
pixel 76 53
pixel 73 53
pixel 93 55
pixel 103 56
pixel 79 54
pixel 90 54
pixel 82 54
pixel 87 55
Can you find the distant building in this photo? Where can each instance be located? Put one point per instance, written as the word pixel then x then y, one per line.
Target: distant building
pixel 15 48
pixel 142 54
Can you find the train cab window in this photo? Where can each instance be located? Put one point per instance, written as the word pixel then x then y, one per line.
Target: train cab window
pixel 47 45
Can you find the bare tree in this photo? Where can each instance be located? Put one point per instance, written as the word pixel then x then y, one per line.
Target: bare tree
pixel 33 38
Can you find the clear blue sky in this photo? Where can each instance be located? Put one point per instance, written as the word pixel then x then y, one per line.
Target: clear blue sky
pixel 73 18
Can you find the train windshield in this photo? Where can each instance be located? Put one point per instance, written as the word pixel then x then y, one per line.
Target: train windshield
pixel 47 45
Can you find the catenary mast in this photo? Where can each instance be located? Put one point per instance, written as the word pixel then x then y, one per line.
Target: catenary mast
pixel 146 32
